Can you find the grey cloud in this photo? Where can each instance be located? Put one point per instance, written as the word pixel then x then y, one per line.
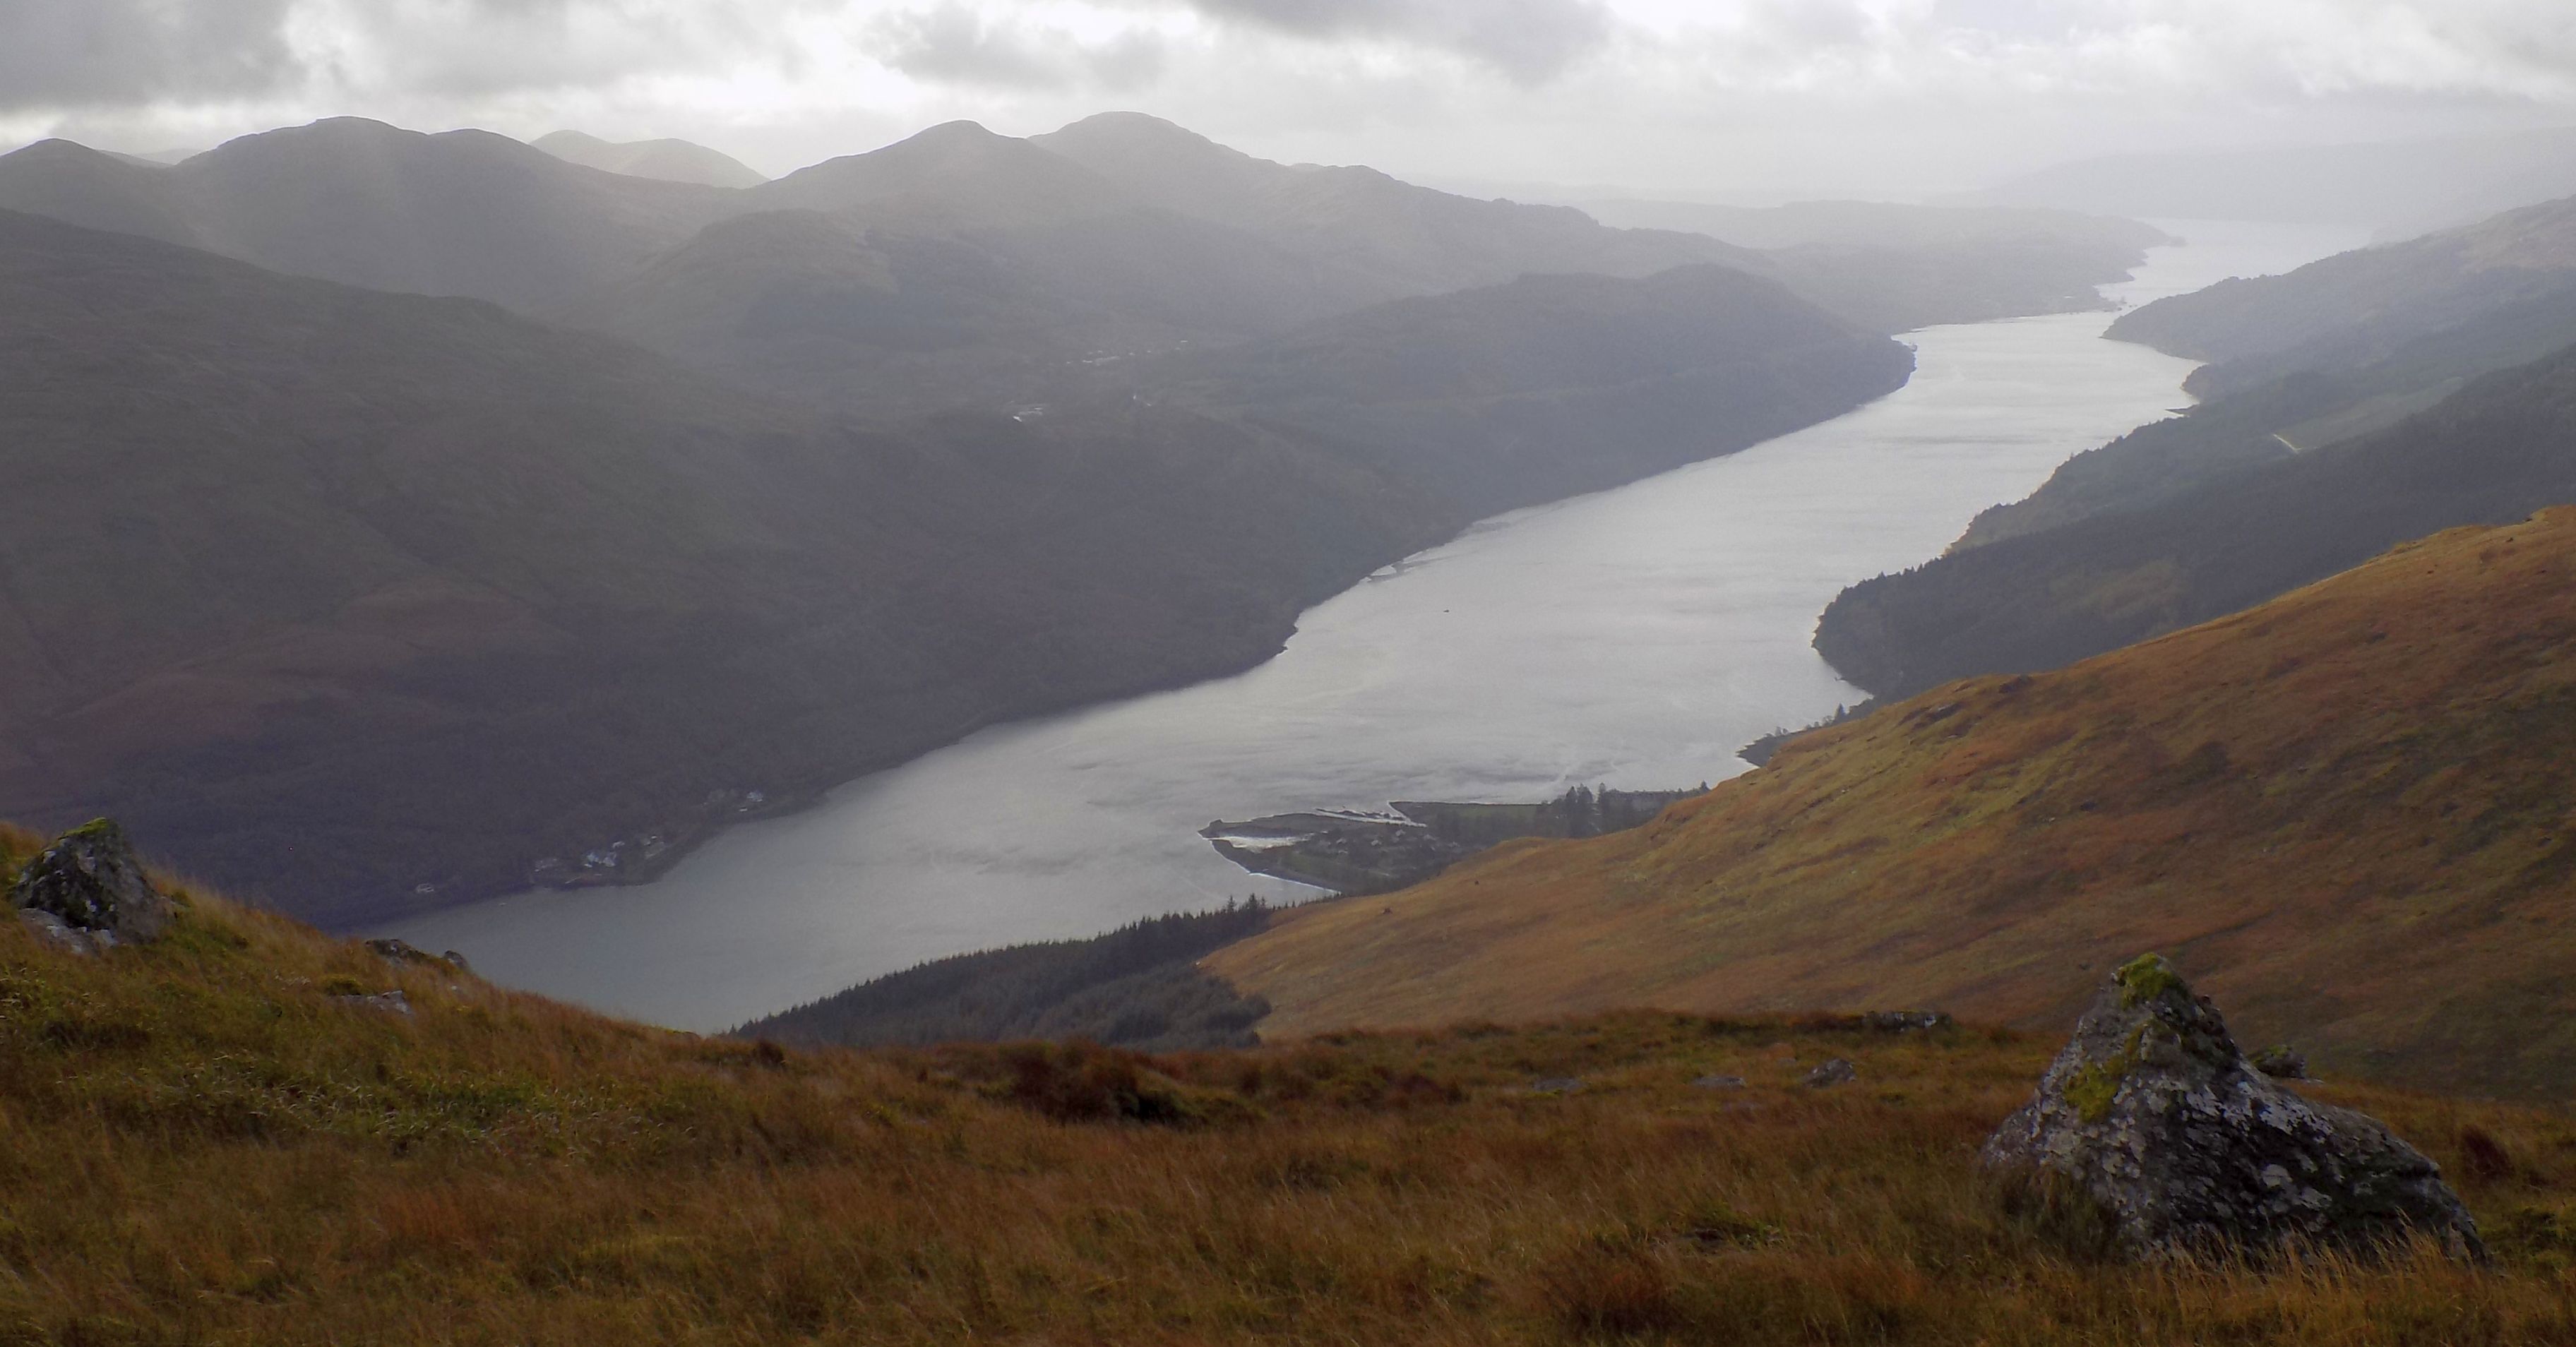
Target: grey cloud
pixel 1529 40
pixel 1130 63
pixel 953 44
pixel 72 54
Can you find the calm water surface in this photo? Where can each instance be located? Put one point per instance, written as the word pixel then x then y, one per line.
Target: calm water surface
pixel 1636 637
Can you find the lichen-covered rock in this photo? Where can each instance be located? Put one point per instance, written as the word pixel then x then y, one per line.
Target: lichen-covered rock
pixel 90 880
pixel 53 931
pixel 2281 1061
pixel 392 1002
pixel 1833 1073
pixel 2153 1113
pixel 1904 1021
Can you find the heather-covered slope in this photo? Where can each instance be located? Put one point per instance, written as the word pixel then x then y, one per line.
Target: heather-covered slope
pixel 2343 813
pixel 208 1142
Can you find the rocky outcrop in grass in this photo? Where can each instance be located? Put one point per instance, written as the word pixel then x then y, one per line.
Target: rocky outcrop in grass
pixel 88 890
pixel 2184 1146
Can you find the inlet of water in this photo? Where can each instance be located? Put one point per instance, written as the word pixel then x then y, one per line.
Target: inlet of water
pixel 1635 637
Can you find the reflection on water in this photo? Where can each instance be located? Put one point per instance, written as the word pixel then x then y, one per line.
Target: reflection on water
pixel 1636 638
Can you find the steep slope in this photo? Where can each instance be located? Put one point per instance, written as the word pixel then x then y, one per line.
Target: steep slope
pixel 209 1140
pixel 2269 422
pixel 366 204
pixel 340 592
pixel 2357 307
pixel 831 309
pixel 1479 395
pixel 2225 534
pixel 104 191
pixel 2344 813
pixel 667 160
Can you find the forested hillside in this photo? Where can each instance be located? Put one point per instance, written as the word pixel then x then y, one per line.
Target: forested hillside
pixel 2205 516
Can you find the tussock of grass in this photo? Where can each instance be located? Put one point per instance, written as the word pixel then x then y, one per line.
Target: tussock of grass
pixel 197 1145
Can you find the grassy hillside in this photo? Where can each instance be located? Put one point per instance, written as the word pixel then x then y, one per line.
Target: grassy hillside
pixel 2208 514
pixel 204 1146
pixel 2344 813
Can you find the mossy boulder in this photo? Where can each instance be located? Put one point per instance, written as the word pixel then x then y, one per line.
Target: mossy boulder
pixel 2156 1116
pixel 90 882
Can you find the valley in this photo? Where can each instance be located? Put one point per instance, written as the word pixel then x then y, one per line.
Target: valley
pixel 1583 673
pixel 1637 637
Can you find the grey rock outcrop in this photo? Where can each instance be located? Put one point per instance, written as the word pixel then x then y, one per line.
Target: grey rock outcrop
pixel 53 931
pixel 2154 1114
pixel 90 882
pixel 403 952
pixel 392 1002
pixel 2281 1061
pixel 1833 1073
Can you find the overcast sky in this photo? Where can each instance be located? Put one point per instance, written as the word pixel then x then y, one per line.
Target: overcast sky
pixel 1724 98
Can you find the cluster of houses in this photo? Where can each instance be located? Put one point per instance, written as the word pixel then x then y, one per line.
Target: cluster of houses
pixel 613 861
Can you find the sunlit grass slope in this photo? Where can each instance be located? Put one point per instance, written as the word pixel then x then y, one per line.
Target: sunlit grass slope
pixel 2350 815
pixel 200 1145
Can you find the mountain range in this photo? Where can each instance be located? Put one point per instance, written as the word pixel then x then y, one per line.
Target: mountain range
pixel 455 590
pixel 667 160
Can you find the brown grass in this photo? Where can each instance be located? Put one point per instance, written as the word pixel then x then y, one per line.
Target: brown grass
pixel 195 1146
pixel 2346 814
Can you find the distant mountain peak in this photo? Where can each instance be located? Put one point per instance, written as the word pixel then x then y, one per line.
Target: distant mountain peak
pixel 953 173
pixel 667 160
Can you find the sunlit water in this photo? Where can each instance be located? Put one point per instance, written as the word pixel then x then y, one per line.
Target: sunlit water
pixel 1636 637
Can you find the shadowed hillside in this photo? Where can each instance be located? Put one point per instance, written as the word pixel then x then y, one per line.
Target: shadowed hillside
pixel 225 1136
pixel 366 204
pixel 2343 812
pixel 338 593
pixel 455 592
pixel 2358 307
pixel 1898 267
pixel 1479 394
pixel 1408 239
pixel 2226 536
pixel 1135 987
pixel 667 160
